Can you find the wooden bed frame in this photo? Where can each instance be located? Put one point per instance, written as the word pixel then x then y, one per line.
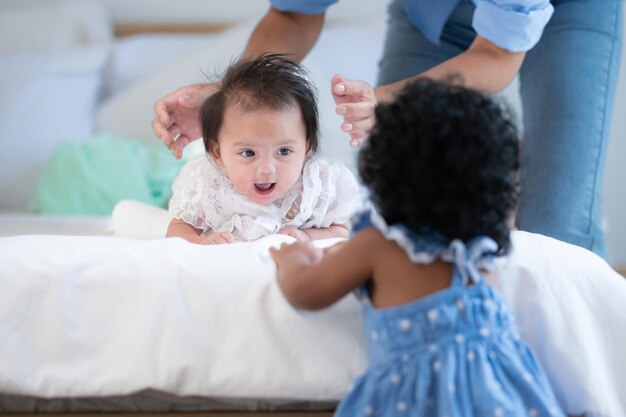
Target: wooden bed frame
pixel 121 30
pixel 185 414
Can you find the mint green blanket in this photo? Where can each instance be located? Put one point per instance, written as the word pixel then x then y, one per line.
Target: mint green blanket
pixel 90 177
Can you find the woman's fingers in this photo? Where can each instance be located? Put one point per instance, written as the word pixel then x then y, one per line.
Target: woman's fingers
pixel 357 139
pixel 358 126
pixel 176 121
pixel 161 132
pixel 356 111
pixel 358 129
pixel 161 110
pixel 171 138
pixel 350 91
pixel 356 103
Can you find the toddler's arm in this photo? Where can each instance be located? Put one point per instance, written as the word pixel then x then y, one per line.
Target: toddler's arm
pixel 179 228
pixel 312 279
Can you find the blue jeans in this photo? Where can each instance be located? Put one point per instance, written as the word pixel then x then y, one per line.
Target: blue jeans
pixel 567 87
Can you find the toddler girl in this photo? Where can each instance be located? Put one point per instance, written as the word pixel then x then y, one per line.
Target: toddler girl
pixel 261 173
pixel 441 166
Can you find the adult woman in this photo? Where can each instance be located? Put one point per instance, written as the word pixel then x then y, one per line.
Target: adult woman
pixel 567 55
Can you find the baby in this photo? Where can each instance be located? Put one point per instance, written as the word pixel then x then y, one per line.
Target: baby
pixel 261 173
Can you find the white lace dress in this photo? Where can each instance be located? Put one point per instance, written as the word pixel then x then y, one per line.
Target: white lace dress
pixel 204 197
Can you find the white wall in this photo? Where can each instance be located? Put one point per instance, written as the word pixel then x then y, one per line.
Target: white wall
pixel 233 10
pixel 202 11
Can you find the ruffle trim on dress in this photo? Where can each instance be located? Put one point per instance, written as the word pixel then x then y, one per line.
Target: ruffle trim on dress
pixel 429 245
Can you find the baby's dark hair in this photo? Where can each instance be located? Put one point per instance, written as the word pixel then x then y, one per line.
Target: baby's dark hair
pixel 269 81
pixel 444 157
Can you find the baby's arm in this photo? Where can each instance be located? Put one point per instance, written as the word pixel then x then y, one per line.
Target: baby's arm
pixel 316 233
pixel 313 279
pixel 334 230
pixel 180 228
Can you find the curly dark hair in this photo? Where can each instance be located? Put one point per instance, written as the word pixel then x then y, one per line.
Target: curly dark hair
pixel 269 81
pixel 444 157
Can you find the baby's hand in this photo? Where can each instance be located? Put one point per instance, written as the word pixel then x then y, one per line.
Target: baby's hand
pixel 218 238
pixel 296 233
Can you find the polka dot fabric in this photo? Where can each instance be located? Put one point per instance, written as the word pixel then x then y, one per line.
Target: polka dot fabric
pixel 454 353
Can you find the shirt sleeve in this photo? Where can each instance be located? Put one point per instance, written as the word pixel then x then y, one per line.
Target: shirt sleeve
pixel 344 198
pixel 302 6
pixel 204 198
pixel 189 194
pixel 514 26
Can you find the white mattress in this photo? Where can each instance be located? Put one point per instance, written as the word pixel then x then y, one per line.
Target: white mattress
pixel 126 316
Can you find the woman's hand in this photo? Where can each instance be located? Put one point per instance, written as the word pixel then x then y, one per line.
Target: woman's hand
pixel 177 121
pixel 356 102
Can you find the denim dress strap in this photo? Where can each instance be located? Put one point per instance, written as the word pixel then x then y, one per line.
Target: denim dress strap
pixel 469 258
pixel 428 245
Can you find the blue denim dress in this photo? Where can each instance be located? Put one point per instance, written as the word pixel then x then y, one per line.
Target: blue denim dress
pixel 453 353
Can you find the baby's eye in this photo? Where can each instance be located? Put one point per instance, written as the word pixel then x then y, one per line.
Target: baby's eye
pixel 247 153
pixel 284 151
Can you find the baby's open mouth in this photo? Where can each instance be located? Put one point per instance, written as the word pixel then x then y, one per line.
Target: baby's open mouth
pixel 265 187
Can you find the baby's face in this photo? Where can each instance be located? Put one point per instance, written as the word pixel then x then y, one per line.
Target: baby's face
pixel 262 151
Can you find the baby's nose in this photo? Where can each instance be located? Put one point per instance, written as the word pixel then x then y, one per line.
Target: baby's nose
pixel 266 167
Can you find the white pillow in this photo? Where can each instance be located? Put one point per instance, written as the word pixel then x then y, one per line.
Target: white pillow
pixel 44 98
pixel 50 81
pixel 130 113
pixel 138 57
pixel 53 26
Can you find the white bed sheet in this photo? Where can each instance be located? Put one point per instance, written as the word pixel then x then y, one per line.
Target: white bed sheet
pixel 124 315
pixel 164 315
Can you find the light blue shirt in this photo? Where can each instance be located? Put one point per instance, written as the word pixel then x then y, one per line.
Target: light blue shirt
pixel 515 25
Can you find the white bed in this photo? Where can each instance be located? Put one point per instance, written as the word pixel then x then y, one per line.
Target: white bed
pixel 162 324
pixel 100 313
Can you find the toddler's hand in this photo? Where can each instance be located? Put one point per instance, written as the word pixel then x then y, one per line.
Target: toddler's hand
pixel 303 253
pixel 296 233
pixel 218 238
